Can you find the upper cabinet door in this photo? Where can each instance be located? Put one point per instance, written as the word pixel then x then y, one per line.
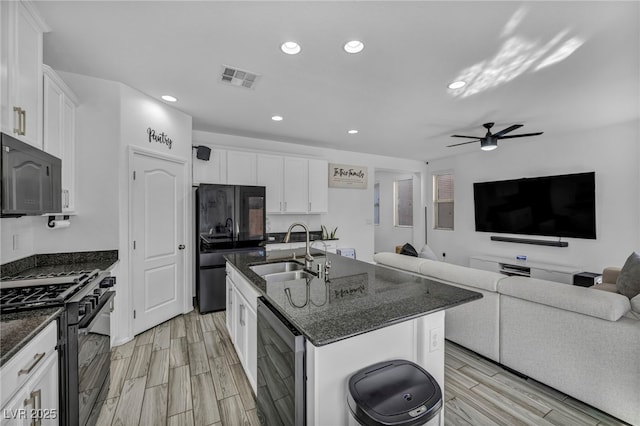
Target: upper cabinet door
pixel 271 176
pixel 59 137
pixel 241 168
pixel 296 185
pixel 22 85
pixel 68 155
pixel 53 113
pixel 212 171
pixel 318 186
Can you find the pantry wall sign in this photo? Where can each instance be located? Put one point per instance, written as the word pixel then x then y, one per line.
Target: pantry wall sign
pixel 347 176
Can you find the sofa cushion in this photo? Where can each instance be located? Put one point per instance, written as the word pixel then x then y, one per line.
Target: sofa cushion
pixel 477 278
pixel 599 304
pixel 400 261
pixel 628 281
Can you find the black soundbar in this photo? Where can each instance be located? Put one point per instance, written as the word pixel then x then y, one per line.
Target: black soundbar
pixel 528 241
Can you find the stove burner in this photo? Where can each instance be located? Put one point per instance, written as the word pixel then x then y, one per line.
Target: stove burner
pixel 41 290
pixel 47 275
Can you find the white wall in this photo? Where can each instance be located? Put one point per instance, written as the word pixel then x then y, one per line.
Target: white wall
pixel 612 153
pixel 388 236
pixel 351 210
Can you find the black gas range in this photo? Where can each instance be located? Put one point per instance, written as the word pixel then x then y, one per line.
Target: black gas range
pixel 84 337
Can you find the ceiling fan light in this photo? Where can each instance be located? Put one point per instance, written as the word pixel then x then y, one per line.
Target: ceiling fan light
pixel 488 145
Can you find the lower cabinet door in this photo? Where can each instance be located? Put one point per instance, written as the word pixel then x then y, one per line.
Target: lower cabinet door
pixel 37 401
pixel 240 340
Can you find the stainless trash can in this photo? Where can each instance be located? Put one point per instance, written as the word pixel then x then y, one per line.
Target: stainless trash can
pixel 398 392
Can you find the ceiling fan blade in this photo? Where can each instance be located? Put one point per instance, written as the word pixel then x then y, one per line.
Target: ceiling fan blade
pixel 520 136
pixel 462 136
pixel 463 143
pixel 507 130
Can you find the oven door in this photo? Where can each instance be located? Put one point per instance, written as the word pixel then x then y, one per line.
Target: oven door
pixel 94 346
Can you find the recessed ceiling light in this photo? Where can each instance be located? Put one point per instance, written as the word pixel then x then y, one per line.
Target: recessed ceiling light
pixel 290 48
pixel 353 46
pixel 352 131
pixel 169 98
pixel 457 84
pixel 277 118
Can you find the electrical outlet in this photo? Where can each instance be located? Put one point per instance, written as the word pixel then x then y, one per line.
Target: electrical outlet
pixel 435 340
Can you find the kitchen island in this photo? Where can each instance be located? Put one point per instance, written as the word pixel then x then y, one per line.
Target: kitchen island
pixel 359 315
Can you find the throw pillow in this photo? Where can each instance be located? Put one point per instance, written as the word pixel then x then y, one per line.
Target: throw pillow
pixel 628 282
pixel 427 253
pixel 409 250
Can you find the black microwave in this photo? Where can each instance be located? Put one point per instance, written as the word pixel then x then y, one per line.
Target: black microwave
pixel 31 180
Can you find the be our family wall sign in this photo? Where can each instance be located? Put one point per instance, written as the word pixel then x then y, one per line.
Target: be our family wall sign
pixel 347 176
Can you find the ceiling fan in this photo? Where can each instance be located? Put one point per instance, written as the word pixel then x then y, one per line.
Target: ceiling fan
pixel 490 141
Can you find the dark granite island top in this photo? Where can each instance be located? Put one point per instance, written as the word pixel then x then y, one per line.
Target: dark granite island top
pixel 18 328
pixel 358 297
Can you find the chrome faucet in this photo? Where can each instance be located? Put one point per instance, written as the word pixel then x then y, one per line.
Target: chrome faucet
pixel 308 259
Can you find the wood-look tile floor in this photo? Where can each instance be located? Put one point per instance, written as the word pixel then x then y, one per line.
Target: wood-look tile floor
pixel 186 372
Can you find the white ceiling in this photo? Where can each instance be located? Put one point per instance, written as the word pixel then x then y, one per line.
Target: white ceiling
pixel 394 92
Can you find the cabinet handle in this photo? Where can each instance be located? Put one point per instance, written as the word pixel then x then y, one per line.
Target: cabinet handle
pixel 36 359
pixel 280 205
pixel 17 120
pixel 285 206
pixel 35 401
pixel 309 205
pixel 23 122
pixel 242 314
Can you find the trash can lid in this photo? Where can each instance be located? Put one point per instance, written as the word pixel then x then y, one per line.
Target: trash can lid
pixel 397 392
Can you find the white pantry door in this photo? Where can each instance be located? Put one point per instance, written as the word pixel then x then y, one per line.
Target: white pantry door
pixel 158 261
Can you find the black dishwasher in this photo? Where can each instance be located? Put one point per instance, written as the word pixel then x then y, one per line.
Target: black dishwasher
pixel 281 360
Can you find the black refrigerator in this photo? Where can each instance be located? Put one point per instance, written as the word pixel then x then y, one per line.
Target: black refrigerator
pixel 229 219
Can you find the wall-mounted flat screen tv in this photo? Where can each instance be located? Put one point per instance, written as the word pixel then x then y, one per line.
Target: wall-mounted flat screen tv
pixel 559 206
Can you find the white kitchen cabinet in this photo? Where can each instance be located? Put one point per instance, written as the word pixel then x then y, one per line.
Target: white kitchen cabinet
pixel 59 138
pixel 212 171
pixel 270 174
pixel 29 381
pixel 244 328
pixel 241 168
pixel 296 185
pixel 318 186
pixel 21 89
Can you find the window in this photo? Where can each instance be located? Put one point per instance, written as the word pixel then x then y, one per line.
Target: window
pixel 403 195
pixel 376 204
pixel 443 201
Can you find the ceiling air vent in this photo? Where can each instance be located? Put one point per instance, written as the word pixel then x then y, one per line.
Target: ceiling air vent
pixel 238 77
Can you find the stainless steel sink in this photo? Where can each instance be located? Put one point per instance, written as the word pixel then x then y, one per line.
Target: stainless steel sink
pixel 287 276
pixel 276 268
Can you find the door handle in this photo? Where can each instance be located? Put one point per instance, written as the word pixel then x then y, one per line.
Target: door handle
pixel 181 247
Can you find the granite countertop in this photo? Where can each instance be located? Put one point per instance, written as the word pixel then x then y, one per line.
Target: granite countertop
pixel 60 262
pixel 358 297
pixel 18 328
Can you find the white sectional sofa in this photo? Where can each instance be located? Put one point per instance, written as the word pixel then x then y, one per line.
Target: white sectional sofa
pixel 581 341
